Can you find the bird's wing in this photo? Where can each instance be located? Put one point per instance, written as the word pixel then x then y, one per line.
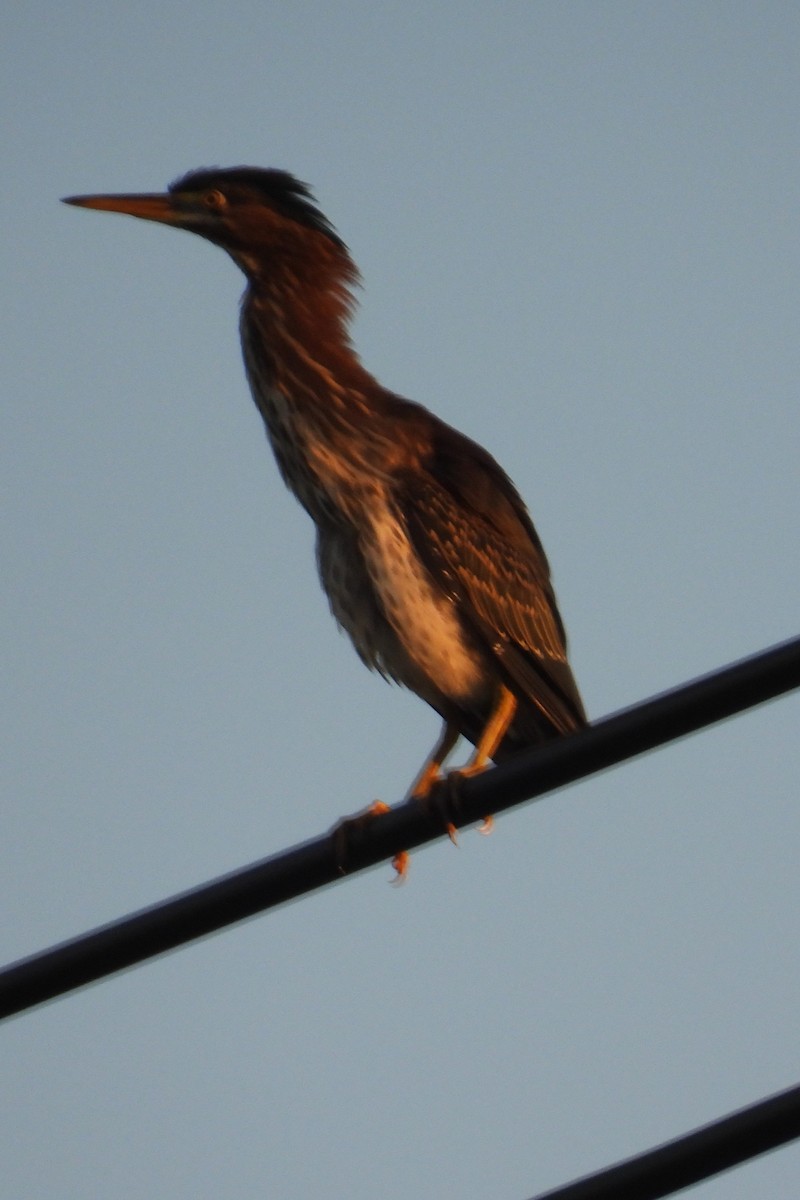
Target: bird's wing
pixel 472 530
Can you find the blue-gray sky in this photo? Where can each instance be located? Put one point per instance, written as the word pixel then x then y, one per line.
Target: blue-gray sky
pixel 577 226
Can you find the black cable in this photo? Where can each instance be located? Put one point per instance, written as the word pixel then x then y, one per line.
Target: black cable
pixel 695 1156
pixel 304 868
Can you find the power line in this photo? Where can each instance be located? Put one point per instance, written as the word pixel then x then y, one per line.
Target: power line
pixel 304 868
pixel 695 1156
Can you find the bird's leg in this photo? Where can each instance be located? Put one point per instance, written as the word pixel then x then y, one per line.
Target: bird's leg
pixel 432 770
pixel 421 789
pixel 431 773
pixel 493 733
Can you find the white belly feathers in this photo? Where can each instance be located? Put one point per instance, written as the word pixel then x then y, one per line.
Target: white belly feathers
pixel 424 621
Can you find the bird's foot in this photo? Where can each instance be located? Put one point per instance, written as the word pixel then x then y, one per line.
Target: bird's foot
pixel 447 798
pixel 475 768
pixel 432 792
pixel 343 831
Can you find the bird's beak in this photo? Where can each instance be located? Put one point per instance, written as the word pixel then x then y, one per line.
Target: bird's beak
pixel 150 207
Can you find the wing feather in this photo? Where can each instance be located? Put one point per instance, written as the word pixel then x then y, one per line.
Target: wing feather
pixel 472 530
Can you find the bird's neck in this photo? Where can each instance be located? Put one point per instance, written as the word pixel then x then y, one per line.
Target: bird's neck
pixel 323 411
pixel 297 327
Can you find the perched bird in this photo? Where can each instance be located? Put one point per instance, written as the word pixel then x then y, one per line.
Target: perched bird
pixel 424 546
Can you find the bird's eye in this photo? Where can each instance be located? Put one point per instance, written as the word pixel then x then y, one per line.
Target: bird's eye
pixel 215 200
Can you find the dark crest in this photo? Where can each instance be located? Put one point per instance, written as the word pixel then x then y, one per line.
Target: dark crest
pixel 279 189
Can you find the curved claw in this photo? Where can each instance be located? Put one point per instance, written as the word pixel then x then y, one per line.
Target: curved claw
pixel 401 862
pixel 341 840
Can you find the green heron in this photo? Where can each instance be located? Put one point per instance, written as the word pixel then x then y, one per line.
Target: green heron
pixel 425 548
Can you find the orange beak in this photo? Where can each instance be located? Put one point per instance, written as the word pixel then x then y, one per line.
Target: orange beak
pixel 150 207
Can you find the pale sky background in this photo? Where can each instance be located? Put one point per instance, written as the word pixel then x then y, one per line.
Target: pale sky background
pixel 577 225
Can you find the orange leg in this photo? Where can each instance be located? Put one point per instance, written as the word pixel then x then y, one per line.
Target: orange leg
pixel 432 771
pixel 428 776
pixel 494 731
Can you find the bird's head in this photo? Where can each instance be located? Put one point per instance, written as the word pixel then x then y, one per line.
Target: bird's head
pixel 261 217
